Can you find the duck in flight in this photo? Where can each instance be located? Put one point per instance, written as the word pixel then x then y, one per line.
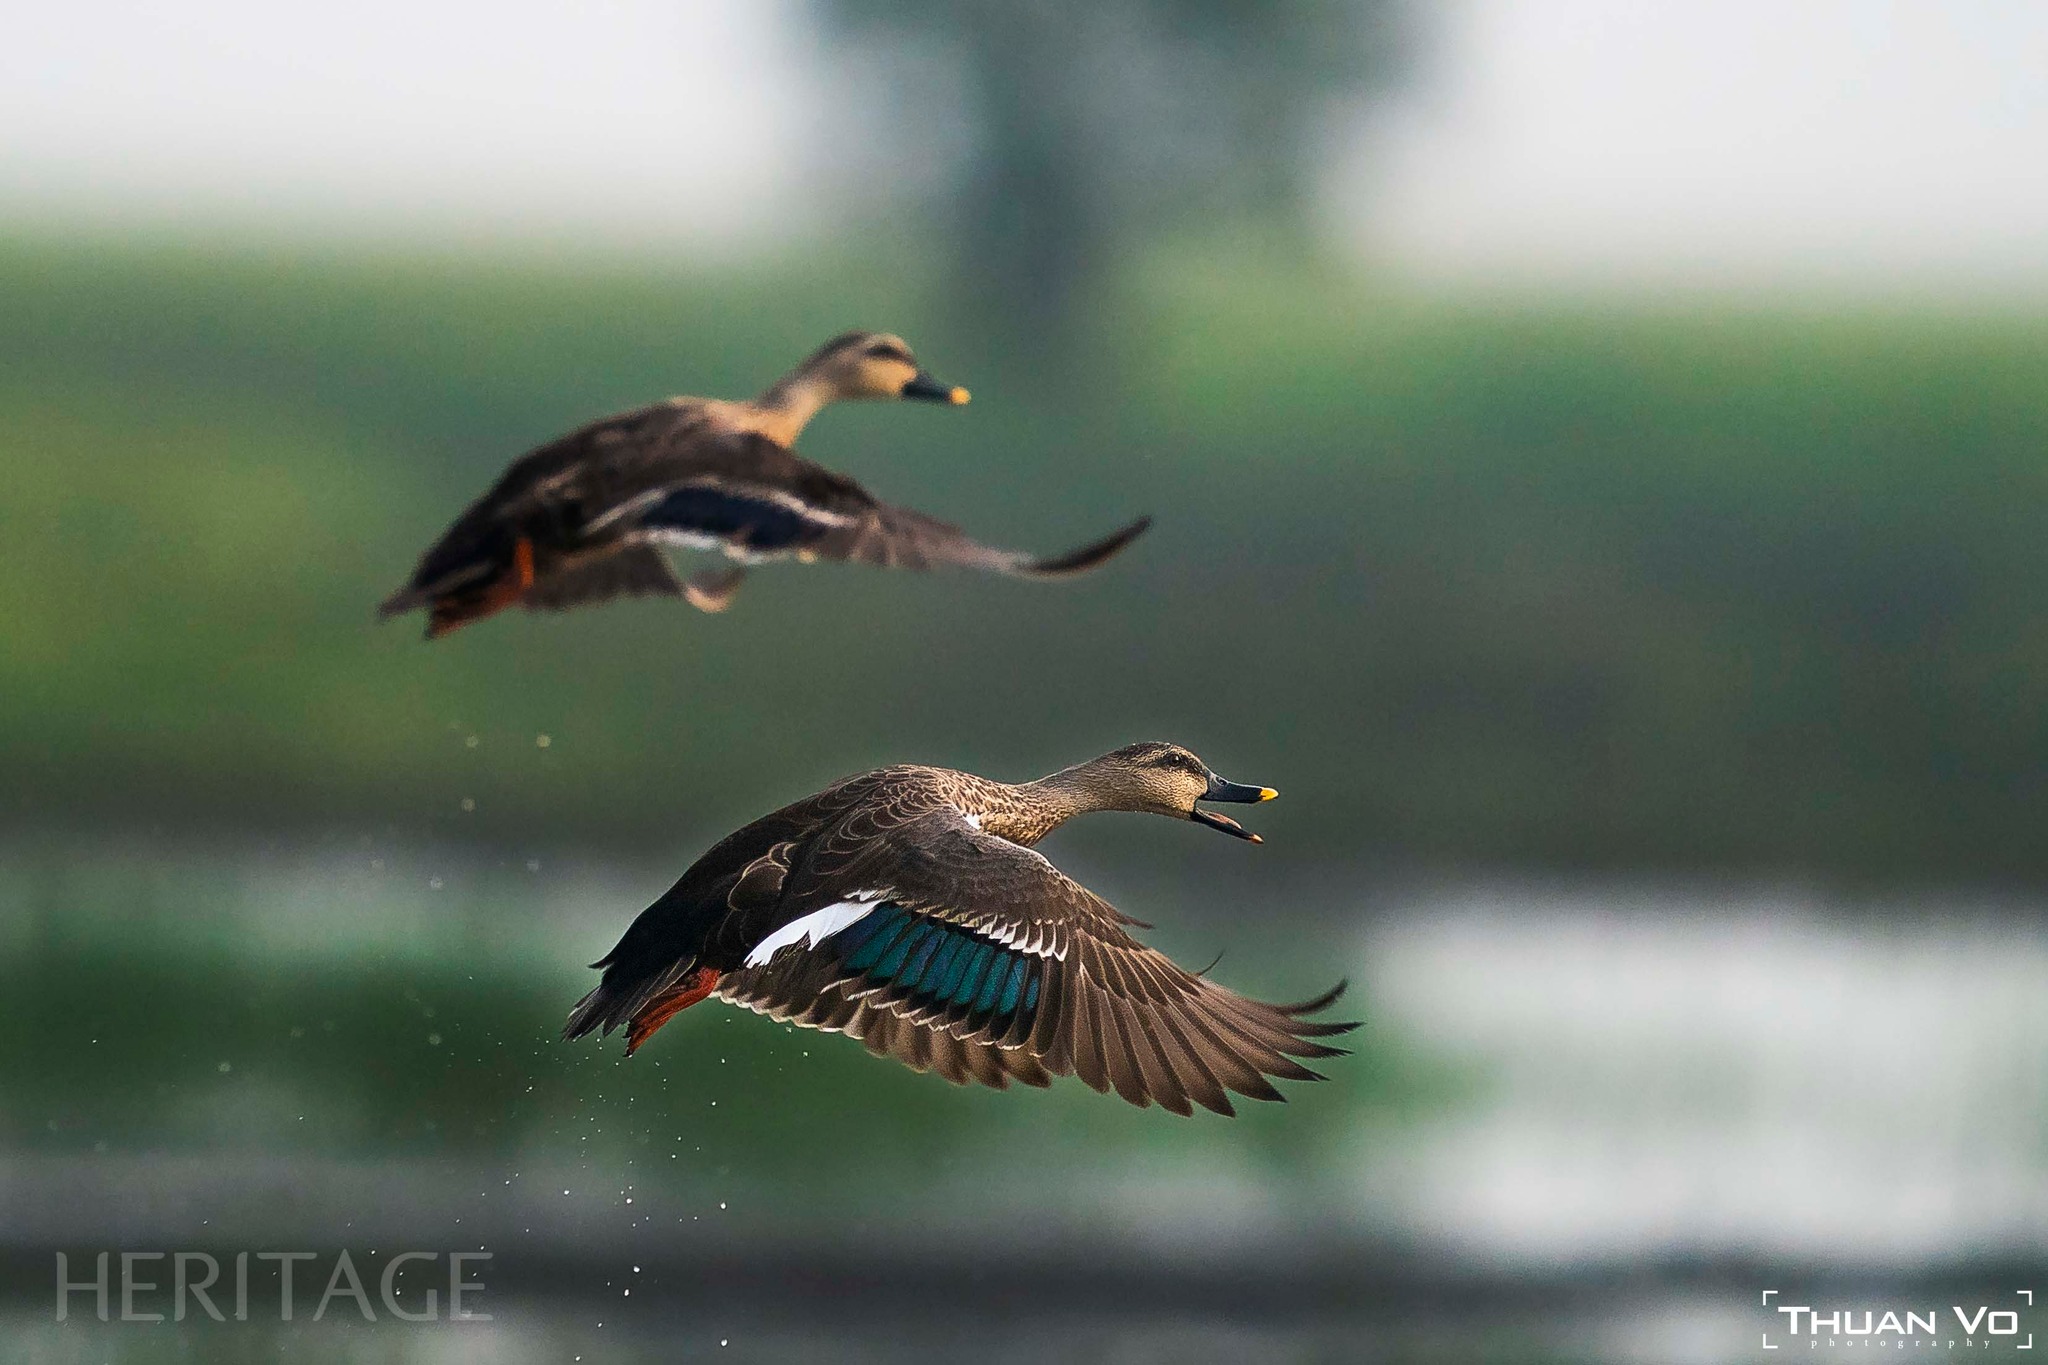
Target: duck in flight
pixel 587 517
pixel 907 908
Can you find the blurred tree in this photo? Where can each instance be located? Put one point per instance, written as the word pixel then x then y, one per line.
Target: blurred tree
pixel 1087 129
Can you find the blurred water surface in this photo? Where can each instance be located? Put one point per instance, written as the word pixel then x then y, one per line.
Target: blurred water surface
pixel 1556 1085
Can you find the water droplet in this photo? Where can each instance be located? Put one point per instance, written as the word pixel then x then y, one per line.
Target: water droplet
pixel 469 803
pixel 470 743
pixel 542 741
pixel 225 1067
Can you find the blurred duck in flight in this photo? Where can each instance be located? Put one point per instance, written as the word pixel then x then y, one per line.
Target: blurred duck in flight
pixel 589 516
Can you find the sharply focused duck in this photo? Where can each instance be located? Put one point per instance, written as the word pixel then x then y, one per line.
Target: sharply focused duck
pixel 586 517
pixel 907 907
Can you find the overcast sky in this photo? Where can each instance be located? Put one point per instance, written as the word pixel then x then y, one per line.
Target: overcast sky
pixel 1856 138
pixel 1883 144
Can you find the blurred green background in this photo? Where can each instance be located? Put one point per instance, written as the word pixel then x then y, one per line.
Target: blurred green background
pixel 1653 670
pixel 1676 587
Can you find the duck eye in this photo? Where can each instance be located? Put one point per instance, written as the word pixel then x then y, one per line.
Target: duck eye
pixel 882 350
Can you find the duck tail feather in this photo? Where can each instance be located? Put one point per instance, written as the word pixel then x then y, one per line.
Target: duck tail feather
pixel 641 1006
pixel 618 996
pixel 597 1010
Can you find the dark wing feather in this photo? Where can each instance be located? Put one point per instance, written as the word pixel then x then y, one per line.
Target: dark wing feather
pixel 976 941
pixel 637 571
pixel 899 538
pixel 813 1000
pixel 752 520
pixel 765 498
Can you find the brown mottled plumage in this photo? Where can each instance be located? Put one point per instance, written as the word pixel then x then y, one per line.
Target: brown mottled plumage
pixel 585 517
pixel 907 908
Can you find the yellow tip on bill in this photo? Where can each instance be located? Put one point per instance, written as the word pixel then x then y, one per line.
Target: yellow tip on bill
pixel 958 397
pixel 1256 839
pixel 1267 793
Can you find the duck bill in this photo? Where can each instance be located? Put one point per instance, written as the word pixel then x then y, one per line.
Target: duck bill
pixel 1237 793
pixel 923 386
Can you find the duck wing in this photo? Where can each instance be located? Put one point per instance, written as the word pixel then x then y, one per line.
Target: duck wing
pixel 898 537
pixel 937 942
pixel 637 571
pixel 758 498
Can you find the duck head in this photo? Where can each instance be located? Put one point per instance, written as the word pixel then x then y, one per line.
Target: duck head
pixel 1166 779
pixel 875 365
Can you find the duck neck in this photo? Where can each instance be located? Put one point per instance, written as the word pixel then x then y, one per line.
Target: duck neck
pixel 790 404
pixel 1053 800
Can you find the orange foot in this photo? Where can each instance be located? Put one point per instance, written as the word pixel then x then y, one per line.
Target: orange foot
pixel 668 1005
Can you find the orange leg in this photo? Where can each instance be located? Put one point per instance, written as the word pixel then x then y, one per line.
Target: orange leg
pixel 668 1005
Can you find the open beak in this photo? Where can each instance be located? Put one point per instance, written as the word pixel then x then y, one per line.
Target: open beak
pixel 1235 792
pixel 923 386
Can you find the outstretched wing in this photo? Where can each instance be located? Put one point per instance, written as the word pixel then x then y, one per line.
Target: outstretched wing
pixel 755 497
pixel 963 942
pixel 897 537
